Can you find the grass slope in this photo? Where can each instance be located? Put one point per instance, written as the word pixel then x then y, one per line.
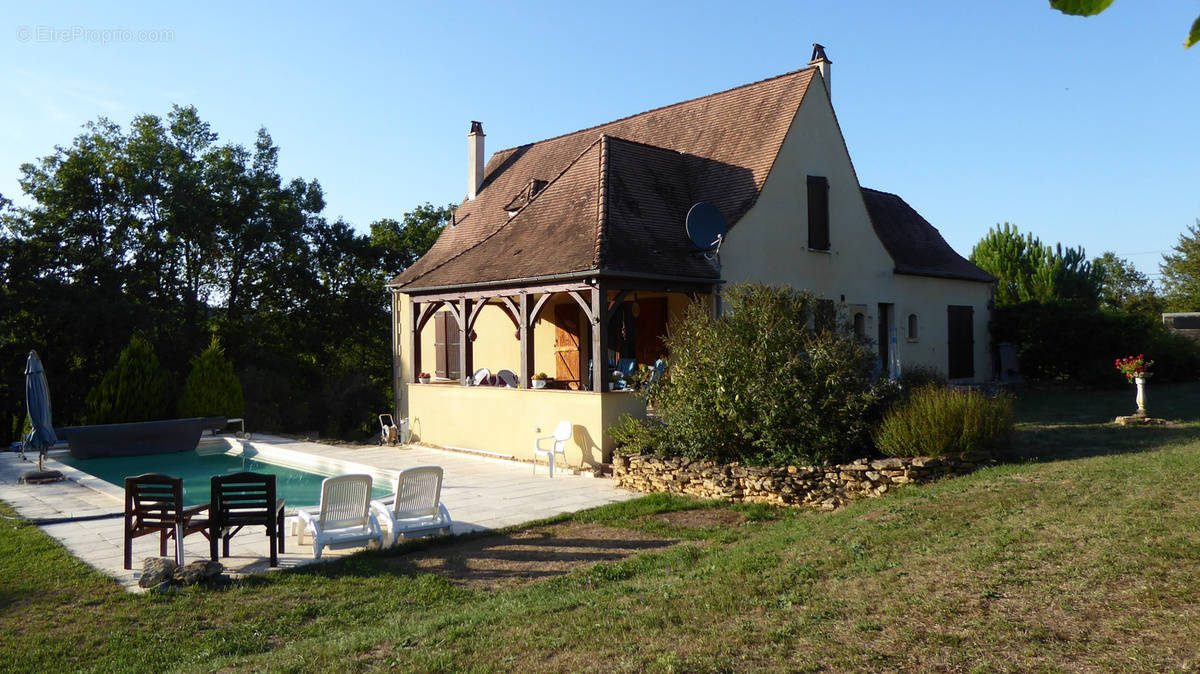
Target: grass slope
pixel 1082 554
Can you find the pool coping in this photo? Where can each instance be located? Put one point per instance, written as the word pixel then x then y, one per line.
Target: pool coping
pixel 286 458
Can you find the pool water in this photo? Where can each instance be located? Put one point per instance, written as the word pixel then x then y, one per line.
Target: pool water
pixel 300 489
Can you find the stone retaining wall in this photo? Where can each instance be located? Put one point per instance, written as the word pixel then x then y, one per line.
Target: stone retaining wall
pixel 824 487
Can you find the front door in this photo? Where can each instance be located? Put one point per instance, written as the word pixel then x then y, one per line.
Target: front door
pixel 651 325
pixel 961 331
pixel 566 344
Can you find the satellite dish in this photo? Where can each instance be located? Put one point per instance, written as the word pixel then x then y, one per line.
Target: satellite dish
pixel 705 226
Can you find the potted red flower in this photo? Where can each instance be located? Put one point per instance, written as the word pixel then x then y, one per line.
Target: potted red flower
pixel 1136 370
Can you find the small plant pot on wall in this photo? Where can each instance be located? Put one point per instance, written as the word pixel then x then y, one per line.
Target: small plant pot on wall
pixel 539 383
pixel 423 378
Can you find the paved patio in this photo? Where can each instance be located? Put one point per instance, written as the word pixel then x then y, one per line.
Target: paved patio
pixel 84 514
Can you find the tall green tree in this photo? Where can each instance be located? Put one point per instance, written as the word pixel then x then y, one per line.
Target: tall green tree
pixel 137 388
pixel 1181 272
pixel 1123 287
pixel 164 230
pixel 403 243
pixel 1030 271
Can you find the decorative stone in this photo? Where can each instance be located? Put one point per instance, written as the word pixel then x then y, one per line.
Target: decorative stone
pixel 198 571
pixel 888 464
pixel 156 570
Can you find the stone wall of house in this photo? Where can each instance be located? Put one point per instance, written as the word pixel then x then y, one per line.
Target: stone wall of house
pixel 824 487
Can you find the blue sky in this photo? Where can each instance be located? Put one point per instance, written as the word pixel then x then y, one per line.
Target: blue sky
pixel 1084 131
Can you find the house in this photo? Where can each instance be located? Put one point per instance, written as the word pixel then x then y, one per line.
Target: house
pixel 572 251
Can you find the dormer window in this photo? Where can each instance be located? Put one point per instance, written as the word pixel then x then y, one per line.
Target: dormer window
pixel 526 195
pixel 818 213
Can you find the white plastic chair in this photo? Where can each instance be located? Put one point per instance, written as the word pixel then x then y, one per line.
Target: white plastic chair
pixel 345 519
pixel 481 377
pixel 508 378
pixel 561 434
pixel 415 509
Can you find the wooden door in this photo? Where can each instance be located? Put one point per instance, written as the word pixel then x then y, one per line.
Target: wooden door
pixel 651 326
pixel 961 331
pixel 566 345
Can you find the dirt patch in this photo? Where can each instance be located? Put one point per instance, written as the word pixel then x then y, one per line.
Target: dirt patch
pixel 503 561
pixel 700 518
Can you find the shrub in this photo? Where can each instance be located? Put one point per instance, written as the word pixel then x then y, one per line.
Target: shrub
pixel 1038 331
pixel 913 378
pixel 935 421
pixel 758 385
pixel 637 437
pixel 137 388
pixel 212 389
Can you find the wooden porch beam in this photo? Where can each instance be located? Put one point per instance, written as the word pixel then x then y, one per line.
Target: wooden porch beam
pixel 492 293
pixel 414 328
pixel 428 309
pixel 466 352
pixel 599 310
pixel 512 312
pixel 616 301
pixel 526 335
pixel 475 314
pixel 587 309
pixel 537 308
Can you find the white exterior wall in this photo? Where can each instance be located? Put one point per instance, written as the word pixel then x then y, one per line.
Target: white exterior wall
pixel 770 245
pixel 929 298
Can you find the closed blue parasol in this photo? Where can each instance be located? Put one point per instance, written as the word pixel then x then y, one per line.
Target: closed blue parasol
pixel 37 402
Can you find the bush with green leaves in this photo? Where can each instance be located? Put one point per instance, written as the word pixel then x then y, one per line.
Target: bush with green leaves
pixel 761 386
pixel 212 388
pixel 137 388
pixel 1037 330
pixel 934 420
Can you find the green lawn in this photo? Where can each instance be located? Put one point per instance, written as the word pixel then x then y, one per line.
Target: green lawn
pixel 1082 554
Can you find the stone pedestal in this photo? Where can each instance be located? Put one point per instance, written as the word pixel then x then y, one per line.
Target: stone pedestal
pixel 1141 396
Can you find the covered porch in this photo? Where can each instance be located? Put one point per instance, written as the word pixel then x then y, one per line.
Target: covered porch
pixel 560 329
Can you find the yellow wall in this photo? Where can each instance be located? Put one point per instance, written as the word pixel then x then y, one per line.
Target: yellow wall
pixel 506 421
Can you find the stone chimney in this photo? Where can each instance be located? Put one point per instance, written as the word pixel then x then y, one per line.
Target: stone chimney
pixel 474 159
pixel 822 63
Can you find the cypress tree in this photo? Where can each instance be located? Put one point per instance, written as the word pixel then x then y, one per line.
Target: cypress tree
pixel 212 388
pixel 137 388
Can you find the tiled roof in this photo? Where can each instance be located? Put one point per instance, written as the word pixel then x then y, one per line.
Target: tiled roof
pixel 616 192
pixel 915 245
pixel 613 198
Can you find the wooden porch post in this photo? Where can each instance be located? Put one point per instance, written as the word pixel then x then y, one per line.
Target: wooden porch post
pixel 600 316
pixel 526 313
pixel 414 328
pixel 466 352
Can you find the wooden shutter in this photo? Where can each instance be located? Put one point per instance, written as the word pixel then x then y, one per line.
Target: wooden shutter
pixel 961 329
pixel 818 212
pixel 439 344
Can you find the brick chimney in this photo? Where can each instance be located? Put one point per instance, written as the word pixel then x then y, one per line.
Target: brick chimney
pixel 474 159
pixel 822 63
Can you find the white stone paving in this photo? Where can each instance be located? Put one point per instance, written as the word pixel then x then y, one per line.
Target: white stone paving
pixel 481 493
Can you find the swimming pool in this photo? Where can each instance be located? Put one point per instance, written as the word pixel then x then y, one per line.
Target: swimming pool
pixel 300 488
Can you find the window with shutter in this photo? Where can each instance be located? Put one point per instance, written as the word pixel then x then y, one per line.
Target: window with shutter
pixel 818 212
